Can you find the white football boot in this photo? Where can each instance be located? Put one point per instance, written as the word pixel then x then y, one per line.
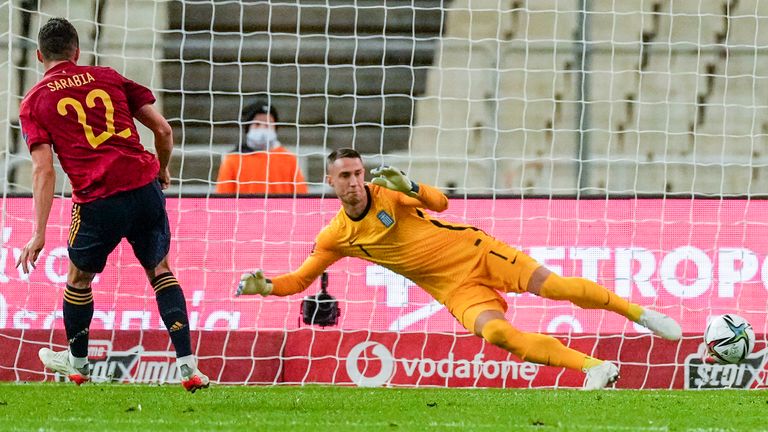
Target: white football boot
pixel 661 325
pixel 600 376
pixel 192 379
pixel 59 362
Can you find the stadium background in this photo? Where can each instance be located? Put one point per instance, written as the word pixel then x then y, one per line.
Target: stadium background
pixel 564 104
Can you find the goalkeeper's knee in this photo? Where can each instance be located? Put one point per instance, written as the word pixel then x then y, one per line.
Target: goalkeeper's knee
pixel 501 333
pixel 556 287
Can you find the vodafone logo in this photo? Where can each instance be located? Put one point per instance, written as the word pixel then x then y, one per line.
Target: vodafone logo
pixel 363 359
pixel 380 351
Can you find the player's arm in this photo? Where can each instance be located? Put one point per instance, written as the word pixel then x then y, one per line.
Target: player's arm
pixel 302 278
pixel 289 283
pixel 322 256
pixel 150 117
pixel 418 195
pixel 43 182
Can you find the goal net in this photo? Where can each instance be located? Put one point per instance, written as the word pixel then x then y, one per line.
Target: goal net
pixel 623 142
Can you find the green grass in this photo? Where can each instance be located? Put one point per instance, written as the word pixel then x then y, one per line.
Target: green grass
pixel 64 407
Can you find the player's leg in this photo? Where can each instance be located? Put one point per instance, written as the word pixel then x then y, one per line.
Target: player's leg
pixel 78 312
pixel 512 270
pixel 491 324
pixel 173 310
pixel 589 295
pixel 94 233
pixel 522 273
pixel 150 238
pixel 487 320
pixel 581 292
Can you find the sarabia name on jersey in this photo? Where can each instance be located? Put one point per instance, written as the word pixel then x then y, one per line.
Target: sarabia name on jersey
pixel 73 81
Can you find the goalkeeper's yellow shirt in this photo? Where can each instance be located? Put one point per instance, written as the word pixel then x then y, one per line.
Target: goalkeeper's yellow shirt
pixel 396 233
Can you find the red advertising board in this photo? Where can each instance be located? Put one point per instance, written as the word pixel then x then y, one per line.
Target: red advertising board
pixel 377 359
pixel 689 258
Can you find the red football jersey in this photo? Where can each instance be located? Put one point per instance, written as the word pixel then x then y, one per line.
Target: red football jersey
pixel 86 114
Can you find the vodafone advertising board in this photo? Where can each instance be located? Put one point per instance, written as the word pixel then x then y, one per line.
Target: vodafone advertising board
pixel 376 359
pixel 688 258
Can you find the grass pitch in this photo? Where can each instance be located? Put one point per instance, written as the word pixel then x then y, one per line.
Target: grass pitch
pixel 64 407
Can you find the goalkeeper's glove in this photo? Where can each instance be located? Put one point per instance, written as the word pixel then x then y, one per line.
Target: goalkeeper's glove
pixel 254 283
pixel 393 178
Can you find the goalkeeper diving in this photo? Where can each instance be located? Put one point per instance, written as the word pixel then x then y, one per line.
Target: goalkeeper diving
pixel 459 265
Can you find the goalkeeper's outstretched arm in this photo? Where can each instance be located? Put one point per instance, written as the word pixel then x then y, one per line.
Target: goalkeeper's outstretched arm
pixel 418 195
pixel 289 283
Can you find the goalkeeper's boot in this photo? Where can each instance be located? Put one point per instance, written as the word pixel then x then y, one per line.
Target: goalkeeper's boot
pixel 192 379
pixel 601 376
pixel 661 325
pixel 59 362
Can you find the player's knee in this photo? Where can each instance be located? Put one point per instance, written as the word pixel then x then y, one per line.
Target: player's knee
pixel 78 278
pixel 500 333
pixel 555 287
pixel 159 269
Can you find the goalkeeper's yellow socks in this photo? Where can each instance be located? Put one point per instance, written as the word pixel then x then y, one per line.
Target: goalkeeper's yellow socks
pixel 78 312
pixel 173 311
pixel 533 347
pixel 590 362
pixel 635 312
pixel 588 295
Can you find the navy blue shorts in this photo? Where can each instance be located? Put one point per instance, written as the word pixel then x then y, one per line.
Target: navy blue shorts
pixel 98 227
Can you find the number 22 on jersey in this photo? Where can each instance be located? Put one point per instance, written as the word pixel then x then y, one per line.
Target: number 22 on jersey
pixel 82 118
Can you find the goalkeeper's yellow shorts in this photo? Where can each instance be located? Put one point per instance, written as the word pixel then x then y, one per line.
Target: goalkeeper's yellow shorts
pixel 502 269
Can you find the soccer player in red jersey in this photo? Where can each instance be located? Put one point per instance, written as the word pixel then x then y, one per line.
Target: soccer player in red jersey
pixel 459 265
pixel 86 115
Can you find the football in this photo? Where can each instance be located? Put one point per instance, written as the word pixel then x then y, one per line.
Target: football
pixel 729 338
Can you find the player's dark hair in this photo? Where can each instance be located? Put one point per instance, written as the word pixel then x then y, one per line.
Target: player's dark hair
pixel 57 39
pixel 343 153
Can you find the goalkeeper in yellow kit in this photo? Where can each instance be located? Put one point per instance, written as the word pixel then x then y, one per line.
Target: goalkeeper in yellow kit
pixel 459 265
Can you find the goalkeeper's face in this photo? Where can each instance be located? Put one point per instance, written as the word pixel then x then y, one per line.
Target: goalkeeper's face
pixel 347 178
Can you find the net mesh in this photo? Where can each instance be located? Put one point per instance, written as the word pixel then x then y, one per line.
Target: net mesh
pixel 623 142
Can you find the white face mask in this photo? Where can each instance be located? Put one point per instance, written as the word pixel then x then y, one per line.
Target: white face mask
pixel 260 139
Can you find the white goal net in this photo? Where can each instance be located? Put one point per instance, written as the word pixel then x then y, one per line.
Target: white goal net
pixel 624 142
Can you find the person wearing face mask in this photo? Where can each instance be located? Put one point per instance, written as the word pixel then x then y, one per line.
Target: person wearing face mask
pixel 260 164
